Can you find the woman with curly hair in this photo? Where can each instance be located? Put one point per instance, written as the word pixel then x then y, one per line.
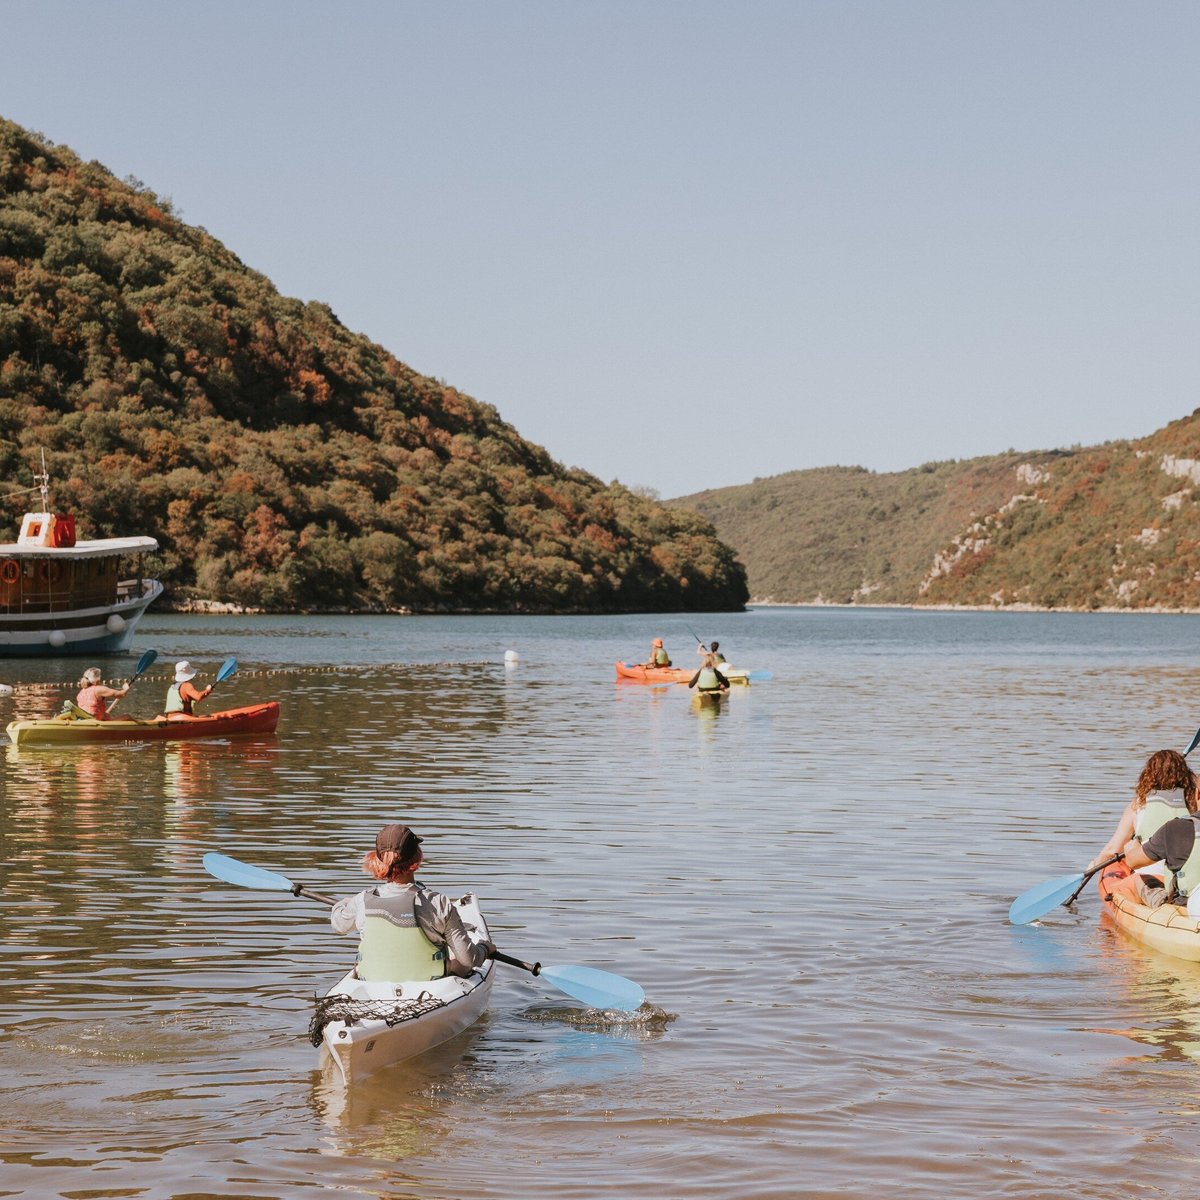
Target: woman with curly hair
pixel 1165 789
pixel 408 932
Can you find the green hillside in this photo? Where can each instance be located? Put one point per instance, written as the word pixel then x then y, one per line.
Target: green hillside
pixel 1112 526
pixel 281 460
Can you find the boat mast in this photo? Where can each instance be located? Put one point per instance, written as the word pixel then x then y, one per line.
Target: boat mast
pixel 43 482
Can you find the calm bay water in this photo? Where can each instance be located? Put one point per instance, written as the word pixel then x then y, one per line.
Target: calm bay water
pixel 810 882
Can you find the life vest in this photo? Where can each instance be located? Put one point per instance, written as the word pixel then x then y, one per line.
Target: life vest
pixel 93 703
pixel 174 700
pixel 1187 879
pixel 393 949
pixel 661 658
pixel 708 681
pixel 1159 808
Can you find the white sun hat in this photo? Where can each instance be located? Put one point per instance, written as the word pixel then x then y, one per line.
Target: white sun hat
pixel 184 672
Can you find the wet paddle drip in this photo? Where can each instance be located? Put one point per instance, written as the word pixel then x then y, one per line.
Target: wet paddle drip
pixel 350 1010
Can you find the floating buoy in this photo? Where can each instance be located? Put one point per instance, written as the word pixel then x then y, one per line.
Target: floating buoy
pixel 511 658
pixel 115 623
pixel 5 689
pixel 57 639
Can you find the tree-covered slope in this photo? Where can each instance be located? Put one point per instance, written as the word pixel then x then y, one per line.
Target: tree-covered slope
pixel 843 535
pixel 281 460
pixel 1111 526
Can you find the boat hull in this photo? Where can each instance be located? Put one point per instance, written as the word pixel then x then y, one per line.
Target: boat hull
pixel 363 1046
pixel 637 673
pixel 256 718
pixel 103 629
pixel 1167 928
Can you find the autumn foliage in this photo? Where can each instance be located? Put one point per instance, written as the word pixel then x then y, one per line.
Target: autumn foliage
pixel 281 460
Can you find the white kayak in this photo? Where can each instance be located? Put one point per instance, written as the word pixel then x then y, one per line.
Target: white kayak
pixel 367 1026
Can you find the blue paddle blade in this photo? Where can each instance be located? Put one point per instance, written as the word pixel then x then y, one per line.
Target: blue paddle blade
pixel 144 662
pixel 755 676
pixel 227 668
pixel 241 874
pixel 597 989
pixel 1192 744
pixel 1038 901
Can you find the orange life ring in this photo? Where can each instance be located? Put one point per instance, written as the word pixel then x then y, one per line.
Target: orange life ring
pixel 10 570
pixel 50 571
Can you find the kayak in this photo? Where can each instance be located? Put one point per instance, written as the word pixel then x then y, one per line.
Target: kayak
pixel 640 673
pixel 364 1027
pixel 1167 928
pixel 256 718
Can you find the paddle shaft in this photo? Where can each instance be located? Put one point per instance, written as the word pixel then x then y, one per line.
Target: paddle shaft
pixel 532 968
pixel 1082 883
pixel 143 665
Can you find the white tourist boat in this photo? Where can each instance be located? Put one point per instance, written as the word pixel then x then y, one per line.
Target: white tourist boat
pixel 367 1026
pixel 62 596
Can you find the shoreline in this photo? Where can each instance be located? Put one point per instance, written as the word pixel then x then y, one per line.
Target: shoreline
pixel 1149 610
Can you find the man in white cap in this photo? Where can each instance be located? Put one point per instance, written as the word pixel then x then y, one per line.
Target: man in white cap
pixel 181 695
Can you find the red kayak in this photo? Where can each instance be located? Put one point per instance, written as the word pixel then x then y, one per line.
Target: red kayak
pixel 257 718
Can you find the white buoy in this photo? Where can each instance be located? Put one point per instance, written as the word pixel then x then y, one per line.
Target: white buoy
pixel 5 689
pixel 511 658
pixel 57 639
pixel 115 623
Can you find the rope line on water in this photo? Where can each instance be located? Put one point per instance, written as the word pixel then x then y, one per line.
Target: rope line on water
pixel 359 669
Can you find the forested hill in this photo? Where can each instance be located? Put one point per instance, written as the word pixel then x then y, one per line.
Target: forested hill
pixel 1111 526
pixel 281 460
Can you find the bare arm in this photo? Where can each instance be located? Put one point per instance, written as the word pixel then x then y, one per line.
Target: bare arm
pixel 1136 856
pixel 1121 835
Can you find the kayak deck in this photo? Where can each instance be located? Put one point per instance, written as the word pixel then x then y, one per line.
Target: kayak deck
pixel 1167 928
pixel 255 718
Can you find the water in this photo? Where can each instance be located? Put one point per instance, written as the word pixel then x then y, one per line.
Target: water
pixel 810 881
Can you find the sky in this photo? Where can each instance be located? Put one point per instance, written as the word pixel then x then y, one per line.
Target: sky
pixel 686 245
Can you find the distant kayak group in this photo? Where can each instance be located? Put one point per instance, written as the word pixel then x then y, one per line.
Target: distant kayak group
pixel 711 678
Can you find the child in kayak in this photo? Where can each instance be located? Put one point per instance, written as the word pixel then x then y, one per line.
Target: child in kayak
pixel 407 931
pixel 94 696
pixel 1156 825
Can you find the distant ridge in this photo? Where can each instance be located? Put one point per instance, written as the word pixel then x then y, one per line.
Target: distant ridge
pixel 1115 526
pixel 282 461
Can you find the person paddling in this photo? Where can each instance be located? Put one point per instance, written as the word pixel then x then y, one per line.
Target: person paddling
pixel 94 696
pixel 708 678
pixel 658 655
pixel 183 695
pixel 407 931
pixel 1161 824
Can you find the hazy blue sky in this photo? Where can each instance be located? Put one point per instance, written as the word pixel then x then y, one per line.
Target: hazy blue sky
pixel 687 244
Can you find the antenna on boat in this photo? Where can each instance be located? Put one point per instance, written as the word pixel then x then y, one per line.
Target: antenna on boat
pixel 43 482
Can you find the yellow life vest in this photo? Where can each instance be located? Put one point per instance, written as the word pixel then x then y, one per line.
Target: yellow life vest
pixel 1159 808
pixel 393 949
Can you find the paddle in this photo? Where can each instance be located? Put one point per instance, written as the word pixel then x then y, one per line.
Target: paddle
pixel 228 668
pixel 143 664
pixel 1038 901
pixel 1192 744
pixel 598 989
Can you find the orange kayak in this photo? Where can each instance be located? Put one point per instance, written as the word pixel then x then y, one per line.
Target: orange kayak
pixel 257 718
pixel 643 674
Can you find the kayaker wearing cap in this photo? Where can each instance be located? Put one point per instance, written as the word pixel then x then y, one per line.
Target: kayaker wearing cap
pixel 658 656
pixel 408 932
pixel 94 696
pixel 1160 825
pixel 182 695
